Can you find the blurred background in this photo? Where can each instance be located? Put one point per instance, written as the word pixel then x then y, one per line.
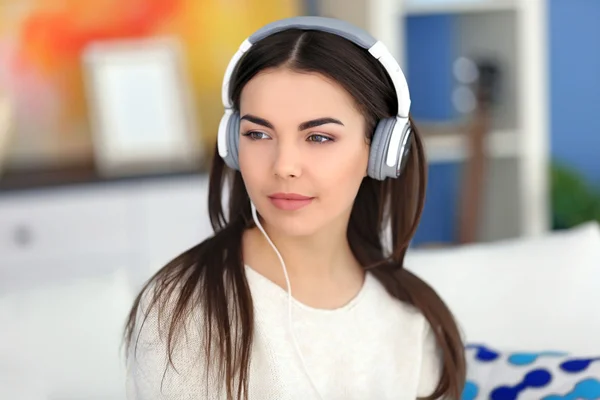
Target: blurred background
pixel 532 135
pixel 109 112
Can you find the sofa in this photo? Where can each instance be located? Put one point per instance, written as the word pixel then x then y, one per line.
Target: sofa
pixel 529 312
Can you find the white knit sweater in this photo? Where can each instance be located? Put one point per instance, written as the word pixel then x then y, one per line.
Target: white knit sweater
pixel 375 347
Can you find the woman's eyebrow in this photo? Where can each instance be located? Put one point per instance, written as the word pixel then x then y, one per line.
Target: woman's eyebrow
pixel 318 122
pixel 304 125
pixel 257 120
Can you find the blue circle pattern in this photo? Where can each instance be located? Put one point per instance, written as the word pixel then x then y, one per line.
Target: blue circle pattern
pixel 470 392
pixel 536 378
pixel 588 389
pixel 577 365
pixel 530 358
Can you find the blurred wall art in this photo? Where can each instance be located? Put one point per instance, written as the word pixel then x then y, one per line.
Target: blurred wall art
pixel 41 43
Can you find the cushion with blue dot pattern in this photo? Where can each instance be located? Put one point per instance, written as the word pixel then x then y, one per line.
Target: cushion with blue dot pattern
pixel 493 374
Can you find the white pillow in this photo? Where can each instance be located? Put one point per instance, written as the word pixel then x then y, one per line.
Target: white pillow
pixel 531 294
pixel 20 385
pixel 67 336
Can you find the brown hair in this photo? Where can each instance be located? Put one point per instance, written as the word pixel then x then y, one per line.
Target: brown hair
pixel 211 275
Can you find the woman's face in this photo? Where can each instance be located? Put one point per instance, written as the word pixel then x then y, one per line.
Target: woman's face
pixel 303 152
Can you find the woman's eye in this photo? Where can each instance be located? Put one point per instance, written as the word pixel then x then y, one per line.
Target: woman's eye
pixel 319 138
pixel 256 135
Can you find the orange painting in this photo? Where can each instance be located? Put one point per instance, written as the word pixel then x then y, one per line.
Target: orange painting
pixel 41 43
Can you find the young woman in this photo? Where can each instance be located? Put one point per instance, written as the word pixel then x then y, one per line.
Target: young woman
pixel 317 159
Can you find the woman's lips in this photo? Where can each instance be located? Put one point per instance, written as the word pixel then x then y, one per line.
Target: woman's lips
pixel 290 201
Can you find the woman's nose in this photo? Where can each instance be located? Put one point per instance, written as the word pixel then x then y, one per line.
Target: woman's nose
pixel 287 163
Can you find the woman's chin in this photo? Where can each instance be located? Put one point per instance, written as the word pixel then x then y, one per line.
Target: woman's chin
pixel 293 226
pixel 295 230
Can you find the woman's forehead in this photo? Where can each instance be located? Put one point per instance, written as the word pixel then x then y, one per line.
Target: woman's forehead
pixel 284 90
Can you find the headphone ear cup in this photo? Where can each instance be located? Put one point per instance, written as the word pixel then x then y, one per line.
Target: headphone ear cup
pixel 379 148
pixel 233 141
pixel 407 140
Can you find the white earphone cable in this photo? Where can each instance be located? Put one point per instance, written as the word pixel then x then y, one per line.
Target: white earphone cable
pixel 289 290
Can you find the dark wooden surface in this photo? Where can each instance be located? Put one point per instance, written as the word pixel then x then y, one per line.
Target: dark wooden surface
pixel 12 180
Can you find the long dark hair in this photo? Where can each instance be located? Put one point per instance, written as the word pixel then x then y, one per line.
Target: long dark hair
pixel 211 275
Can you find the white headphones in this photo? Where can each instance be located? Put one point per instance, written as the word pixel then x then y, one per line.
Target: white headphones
pixel 391 139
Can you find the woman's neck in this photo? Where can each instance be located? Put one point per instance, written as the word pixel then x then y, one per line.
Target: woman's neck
pixel 322 269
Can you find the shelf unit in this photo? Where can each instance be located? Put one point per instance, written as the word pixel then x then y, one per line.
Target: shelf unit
pixel 428 7
pixel 518 146
pixel 451 147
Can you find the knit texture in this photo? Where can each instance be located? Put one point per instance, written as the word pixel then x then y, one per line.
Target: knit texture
pixel 374 347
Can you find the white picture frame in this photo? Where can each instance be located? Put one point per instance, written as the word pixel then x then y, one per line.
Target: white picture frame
pixel 140 107
pixel 6 122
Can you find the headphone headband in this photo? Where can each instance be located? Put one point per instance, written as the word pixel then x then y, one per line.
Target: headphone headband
pixel 330 25
pixel 337 27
